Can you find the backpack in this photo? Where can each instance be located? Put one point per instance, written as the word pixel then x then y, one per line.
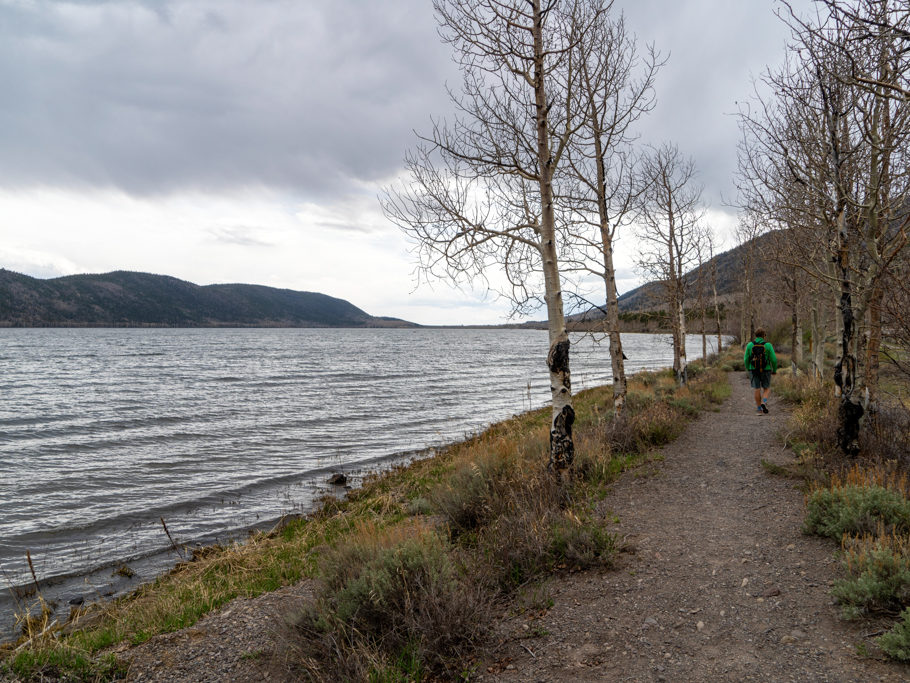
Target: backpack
pixel 758 357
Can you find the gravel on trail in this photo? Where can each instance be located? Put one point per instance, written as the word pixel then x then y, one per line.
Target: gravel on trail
pixel 720 583
pixel 236 644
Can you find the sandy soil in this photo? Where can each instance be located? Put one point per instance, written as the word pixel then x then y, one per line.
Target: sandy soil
pixel 719 585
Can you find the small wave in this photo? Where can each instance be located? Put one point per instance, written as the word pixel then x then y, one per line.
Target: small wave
pixel 90 428
pixel 36 420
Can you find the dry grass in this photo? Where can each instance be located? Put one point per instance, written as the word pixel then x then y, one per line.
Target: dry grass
pixel 880 475
pixel 884 435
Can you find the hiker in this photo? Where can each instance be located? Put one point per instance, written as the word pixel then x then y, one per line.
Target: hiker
pixel 761 363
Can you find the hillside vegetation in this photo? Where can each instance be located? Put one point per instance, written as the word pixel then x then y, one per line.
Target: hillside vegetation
pixel 126 298
pixel 650 296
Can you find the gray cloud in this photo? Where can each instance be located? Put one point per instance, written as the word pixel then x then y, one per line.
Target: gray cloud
pixel 155 96
pixel 151 97
pixel 714 50
pixel 341 226
pixel 242 235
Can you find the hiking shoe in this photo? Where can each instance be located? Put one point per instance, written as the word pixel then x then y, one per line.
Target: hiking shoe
pixel 764 408
pixel 759 411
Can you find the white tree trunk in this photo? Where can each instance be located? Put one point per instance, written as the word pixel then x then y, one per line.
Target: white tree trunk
pixel 818 342
pixel 612 322
pixel 562 447
pixel 682 374
pixel 796 341
pixel 839 333
pixel 743 332
pixel 716 308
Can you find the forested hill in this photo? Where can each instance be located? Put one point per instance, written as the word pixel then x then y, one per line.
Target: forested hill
pixel 729 278
pixel 140 299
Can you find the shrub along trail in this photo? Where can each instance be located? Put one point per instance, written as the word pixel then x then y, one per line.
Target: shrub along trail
pixel 720 583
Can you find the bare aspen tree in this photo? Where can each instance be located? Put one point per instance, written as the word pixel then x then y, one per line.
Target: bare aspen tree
pixel 806 140
pixel 863 48
pixel 896 315
pixel 786 285
pixel 782 178
pixel 613 89
pixel 480 192
pixel 701 250
pixel 704 249
pixel 747 231
pixel 839 129
pixel 877 54
pixel 669 231
pixel 709 238
pixel 818 333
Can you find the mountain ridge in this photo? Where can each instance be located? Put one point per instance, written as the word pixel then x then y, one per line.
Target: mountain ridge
pixel 134 299
pixel 649 297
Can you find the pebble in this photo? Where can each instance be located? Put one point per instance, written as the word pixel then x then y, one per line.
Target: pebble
pixel 700 625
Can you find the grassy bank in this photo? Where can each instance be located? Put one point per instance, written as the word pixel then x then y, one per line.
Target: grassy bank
pixel 411 568
pixel 864 505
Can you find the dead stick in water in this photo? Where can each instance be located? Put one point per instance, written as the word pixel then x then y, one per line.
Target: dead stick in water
pixel 28 556
pixel 170 538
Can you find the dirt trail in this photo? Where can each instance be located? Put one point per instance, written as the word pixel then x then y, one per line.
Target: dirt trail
pixel 722 585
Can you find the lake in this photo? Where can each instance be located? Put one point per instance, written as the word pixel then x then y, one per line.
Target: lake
pixel 104 432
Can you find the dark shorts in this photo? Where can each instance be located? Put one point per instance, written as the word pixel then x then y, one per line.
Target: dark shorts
pixel 760 380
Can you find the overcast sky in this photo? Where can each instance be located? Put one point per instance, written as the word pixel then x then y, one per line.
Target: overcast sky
pixel 247 140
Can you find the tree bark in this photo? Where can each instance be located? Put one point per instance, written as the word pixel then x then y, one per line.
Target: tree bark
pixel 612 322
pixel 704 323
pixel 612 297
pixel 839 333
pixel 818 342
pixel 562 446
pixel 873 348
pixel 743 332
pixel 682 375
pixel 796 336
pixel 716 306
pixel 850 411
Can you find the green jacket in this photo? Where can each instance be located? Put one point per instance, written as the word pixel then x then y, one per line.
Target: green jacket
pixel 769 354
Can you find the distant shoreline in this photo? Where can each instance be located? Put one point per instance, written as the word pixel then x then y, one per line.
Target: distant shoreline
pixel 593 326
pixel 213 326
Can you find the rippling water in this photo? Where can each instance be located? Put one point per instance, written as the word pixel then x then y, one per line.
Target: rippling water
pixel 103 432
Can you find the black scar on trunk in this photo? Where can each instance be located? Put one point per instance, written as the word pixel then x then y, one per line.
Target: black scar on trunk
pixel 849 414
pixel 558 358
pixel 558 362
pixel 562 447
